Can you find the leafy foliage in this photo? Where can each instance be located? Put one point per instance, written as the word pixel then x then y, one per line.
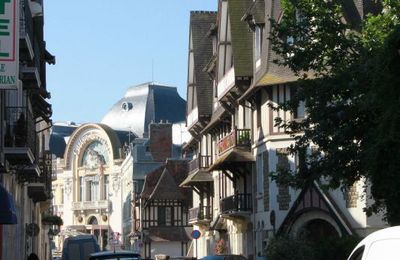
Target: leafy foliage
pixel 348 80
pixel 284 247
pixel 52 220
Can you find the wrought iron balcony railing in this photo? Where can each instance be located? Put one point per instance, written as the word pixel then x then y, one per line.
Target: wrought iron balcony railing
pixel 237 203
pixel 39 187
pixel 200 162
pixel 20 128
pixel 236 138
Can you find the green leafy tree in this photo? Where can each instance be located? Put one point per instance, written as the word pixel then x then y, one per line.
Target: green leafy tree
pixel 286 247
pixel 349 81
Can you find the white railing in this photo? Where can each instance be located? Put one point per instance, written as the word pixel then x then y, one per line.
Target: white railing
pixel 192 117
pixel 84 205
pixel 226 83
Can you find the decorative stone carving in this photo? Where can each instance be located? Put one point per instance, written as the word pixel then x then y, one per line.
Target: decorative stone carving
pixel 351 196
pixel 116 183
pixel 68 186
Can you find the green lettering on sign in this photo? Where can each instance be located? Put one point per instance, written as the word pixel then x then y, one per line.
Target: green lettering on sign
pixel 2 5
pixel 4 26
pixel 7 80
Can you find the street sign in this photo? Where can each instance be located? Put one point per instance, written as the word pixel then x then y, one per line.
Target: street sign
pixel 195 234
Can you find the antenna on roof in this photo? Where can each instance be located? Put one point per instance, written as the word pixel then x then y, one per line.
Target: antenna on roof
pixel 152 70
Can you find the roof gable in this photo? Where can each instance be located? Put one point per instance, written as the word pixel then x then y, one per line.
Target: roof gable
pixel 310 199
pixel 163 183
pixel 166 188
pixel 200 24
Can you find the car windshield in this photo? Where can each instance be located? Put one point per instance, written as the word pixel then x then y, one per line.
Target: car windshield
pixel 117 258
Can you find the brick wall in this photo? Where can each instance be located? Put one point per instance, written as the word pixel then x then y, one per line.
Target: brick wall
pixel 160 142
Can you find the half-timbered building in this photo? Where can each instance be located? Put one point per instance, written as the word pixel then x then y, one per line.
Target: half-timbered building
pixel 222 146
pixel 279 209
pixel 163 209
pixel 202 46
pixel 239 143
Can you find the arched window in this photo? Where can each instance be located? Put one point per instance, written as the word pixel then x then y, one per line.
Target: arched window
pixel 92 221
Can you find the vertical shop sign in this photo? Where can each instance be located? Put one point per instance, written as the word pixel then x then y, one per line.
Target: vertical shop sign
pixel 8 44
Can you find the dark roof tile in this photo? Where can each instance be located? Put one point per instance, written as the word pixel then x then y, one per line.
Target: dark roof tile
pixel 200 24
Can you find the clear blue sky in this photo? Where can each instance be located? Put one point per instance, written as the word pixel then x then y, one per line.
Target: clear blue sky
pixel 103 47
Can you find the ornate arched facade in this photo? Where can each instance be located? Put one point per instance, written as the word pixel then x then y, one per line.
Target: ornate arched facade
pixel 91 173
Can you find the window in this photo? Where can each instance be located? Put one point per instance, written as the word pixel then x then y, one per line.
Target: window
pixel 92 188
pixel 165 216
pixel 300 112
pixel 290 40
pixel 258 42
pixel 106 188
pixel 168 216
pixel 81 189
pixel 161 216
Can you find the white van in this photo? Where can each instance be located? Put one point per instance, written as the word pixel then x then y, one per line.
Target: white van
pixel 79 247
pixel 380 245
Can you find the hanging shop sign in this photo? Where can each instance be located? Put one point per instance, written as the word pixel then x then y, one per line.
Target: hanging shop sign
pixel 8 44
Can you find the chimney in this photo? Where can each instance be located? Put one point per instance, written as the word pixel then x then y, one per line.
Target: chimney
pixel 160 141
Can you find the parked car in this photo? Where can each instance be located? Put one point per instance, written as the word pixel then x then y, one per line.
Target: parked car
pixel 79 247
pixel 382 244
pixel 112 255
pixel 224 257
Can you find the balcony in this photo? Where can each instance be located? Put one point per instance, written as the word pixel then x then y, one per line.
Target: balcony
pixel 31 76
pixel 226 83
pixel 198 174
pixel 20 137
pixel 91 205
pixel 25 32
pixel 31 48
pixel 39 188
pixel 192 117
pixel 236 138
pixel 201 162
pixel 238 205
pixel 200 215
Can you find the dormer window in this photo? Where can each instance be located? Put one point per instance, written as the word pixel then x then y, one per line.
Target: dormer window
pixel 258 41
pixel 126 106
